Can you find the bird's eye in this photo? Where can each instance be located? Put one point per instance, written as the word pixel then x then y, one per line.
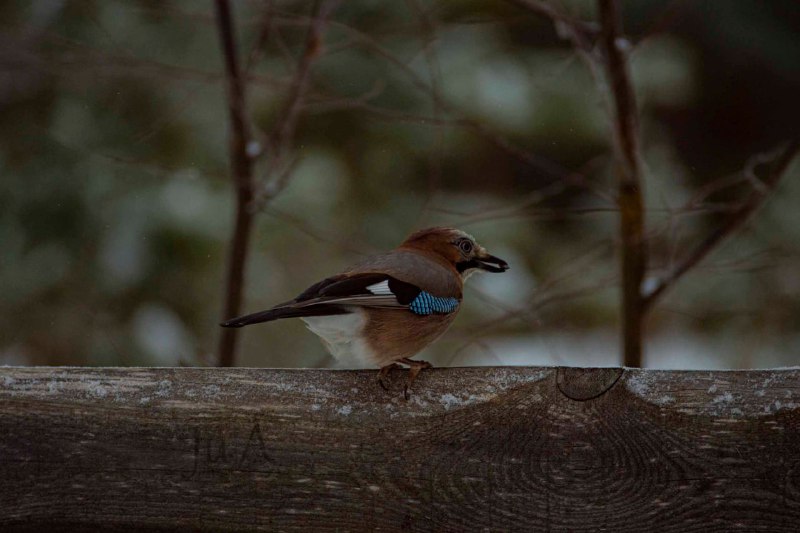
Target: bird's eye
pixel 465 246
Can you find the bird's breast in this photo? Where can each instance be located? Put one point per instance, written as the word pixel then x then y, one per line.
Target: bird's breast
pixel 377 337
pixel 393 335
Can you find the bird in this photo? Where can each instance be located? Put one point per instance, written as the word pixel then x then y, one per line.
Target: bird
pixel 388 307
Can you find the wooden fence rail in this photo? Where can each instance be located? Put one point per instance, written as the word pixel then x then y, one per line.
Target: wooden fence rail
pixel 486 449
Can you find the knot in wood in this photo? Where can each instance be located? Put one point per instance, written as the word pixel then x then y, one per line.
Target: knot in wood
pixel 582 384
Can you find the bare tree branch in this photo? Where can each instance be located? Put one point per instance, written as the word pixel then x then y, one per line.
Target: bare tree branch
pixel 78 58
pixel 318 104
pixel 427 30
pixel 561 176
pixel 636 300
pixel 262 39
pixel 319 234
pixel 777 163
pixel 582 34
pixel 281 163
pixel 240 138
pixel 242 173
pixel 629 179
pixel 611 56
pixel 541 164
pixel 548 291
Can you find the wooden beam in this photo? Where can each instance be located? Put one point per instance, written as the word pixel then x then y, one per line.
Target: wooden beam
pixel 473 449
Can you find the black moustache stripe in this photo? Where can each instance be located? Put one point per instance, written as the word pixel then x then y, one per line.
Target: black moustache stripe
pixel 463 266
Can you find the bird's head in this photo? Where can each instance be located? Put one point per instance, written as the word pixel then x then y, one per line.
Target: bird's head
pixel 457 248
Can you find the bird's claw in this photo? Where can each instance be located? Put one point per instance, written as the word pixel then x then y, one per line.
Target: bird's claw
pixel 415 367
pixel 385 372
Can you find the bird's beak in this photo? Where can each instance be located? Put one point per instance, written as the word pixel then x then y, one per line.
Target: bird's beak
pixel 491 263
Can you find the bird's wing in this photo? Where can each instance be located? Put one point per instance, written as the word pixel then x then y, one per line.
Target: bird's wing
pixel 362 288
pixel 372 289
pixel 414 268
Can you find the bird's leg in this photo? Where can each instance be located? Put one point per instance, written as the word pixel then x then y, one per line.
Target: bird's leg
pixel 415 367
pixel 385 372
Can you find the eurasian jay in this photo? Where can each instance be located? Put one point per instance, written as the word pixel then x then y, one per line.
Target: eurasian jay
pixel 387 308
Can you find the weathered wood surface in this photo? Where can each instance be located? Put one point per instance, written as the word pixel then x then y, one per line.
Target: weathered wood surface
pixel 492 449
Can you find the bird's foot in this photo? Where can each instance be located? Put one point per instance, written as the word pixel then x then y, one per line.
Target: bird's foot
pixel 384 373
pixel 415 367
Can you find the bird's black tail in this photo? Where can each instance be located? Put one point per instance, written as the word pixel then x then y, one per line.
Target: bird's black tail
pixel 284 312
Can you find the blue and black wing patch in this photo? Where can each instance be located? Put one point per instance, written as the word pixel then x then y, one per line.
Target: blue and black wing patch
pixel 427 304
pixel 418 301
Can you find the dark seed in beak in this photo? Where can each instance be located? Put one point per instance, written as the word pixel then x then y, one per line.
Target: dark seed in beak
pixel 491 263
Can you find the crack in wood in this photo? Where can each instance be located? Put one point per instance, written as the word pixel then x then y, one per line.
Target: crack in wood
pixel 584 384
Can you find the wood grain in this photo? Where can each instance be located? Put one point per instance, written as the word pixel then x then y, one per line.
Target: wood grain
pixel 474 449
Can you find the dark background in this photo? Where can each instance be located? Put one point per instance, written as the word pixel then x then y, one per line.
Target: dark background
pixel 116 202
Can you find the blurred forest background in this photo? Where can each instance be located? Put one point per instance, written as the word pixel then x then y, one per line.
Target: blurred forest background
pixel 116 201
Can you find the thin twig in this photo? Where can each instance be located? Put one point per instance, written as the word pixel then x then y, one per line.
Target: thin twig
pixel 327 104
pixel 582 34
pixel 318 234
pixel 262 39
pixel 283 131
pixel 281 163
pixel 75 57
pixel 777 164
pixel 541 164
pixel 428 38
pixel 242 173
pixel 548 291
